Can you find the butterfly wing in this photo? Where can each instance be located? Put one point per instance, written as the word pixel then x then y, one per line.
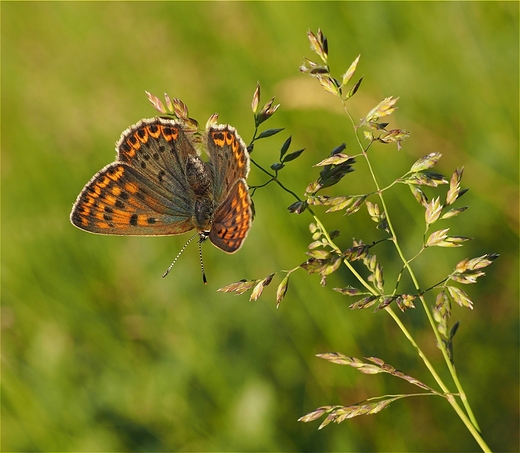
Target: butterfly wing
pixel 228 159
pixel 145 192
pixel 158 148
pixel 120 200
pixel 232 219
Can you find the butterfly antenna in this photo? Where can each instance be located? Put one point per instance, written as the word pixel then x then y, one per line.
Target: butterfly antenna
pixel 201 263
pixel 179 254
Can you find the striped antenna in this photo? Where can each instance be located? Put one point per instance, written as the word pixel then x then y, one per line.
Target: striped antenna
pixel 201 240
pixel 179 254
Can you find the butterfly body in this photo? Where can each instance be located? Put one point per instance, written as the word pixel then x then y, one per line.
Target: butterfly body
pixel 160 186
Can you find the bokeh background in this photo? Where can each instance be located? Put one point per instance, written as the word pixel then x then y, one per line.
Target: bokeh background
pixel 100 353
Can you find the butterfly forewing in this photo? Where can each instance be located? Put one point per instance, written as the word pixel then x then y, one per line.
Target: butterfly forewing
pixel 159 149
pixel 119 200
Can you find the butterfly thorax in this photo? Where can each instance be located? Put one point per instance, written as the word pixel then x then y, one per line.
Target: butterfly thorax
pixel 203 216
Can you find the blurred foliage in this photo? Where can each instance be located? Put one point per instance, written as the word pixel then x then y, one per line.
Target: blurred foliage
pixel 100 353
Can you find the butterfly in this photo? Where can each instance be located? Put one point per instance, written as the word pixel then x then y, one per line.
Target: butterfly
pixel 160 186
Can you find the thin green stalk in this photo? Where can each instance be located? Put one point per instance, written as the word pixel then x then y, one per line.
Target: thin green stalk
pixel 471 423
pixel 276 180
pixel 338 250
pixel 424 304
pixel 472 428
pixel 467 417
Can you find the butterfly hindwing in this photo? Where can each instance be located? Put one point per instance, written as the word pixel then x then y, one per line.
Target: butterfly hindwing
pixel 232 219
pixel 228 159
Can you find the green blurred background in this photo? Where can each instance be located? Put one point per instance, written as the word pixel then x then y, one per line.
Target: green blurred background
pixel 99 353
